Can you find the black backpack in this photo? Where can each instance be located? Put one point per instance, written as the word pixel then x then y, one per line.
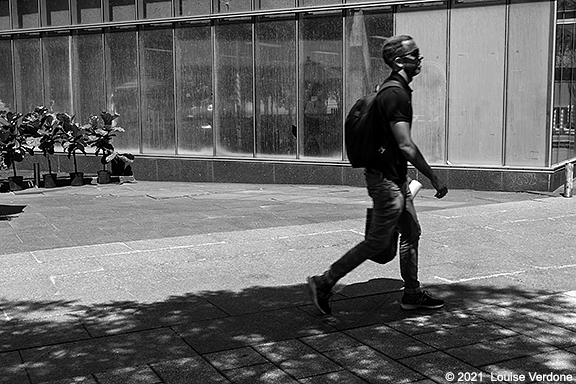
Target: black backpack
pixel 365 138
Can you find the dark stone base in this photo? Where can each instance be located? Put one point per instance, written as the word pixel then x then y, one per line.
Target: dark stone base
pixel 292 172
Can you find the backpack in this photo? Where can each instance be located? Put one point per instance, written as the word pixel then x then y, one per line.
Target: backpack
pixel 365 139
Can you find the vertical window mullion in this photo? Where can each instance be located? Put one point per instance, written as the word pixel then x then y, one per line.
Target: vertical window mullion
pixel 299 76
pixel 255 113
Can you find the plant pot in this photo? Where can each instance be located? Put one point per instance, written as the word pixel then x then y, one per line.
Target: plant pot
pixel 77 179
pixel 49 180
pixel 104 177
pixel 16 183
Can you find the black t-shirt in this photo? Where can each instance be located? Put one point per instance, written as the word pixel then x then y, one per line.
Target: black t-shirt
pixel 394 104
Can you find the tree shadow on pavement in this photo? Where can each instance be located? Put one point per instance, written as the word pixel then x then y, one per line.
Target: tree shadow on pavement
pixel 273 334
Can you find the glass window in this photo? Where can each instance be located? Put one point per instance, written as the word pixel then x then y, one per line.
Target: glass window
pixel 157 90
pixel 528 101
pixel 6 84
pixel 122 87
pixel 224 6
pixel 120 10
pixel 4 14
pixel 311 3
pixel 88 75
pixel 234 109
pixel 429 97
pixel 365 69
pixel 154 9
pixel 57 73
pixel 563 123
pixel 194 90
pixel 276 87
pixel 193 7
pixel 27 14
pixel 476 112
pixel 274 4
pixel 88 12
pixel 320 128
pixel 57 12
pixel 28 74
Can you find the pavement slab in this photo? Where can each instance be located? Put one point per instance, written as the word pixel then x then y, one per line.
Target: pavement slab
pixel 168 282
pixel 188 370
pixel 104 354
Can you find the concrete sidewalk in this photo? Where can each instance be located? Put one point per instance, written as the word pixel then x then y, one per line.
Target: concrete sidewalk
pixel 159 282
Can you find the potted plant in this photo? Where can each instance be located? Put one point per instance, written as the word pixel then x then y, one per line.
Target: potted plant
pixel 51 133
pixel 73 140
pixel 100 132
pixel 14 145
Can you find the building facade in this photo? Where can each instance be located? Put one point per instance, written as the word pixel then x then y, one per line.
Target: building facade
pixel 258 90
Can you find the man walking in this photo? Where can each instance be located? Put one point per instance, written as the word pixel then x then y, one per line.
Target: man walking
pixel 393 209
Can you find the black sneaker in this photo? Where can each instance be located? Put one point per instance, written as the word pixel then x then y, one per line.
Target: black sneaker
pixel 421 300
pixel 320 297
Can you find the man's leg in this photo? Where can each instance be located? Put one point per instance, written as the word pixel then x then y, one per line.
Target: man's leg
pixel 388 206
pixel 414 297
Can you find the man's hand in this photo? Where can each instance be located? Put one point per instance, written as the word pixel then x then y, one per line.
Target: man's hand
pixel 440 186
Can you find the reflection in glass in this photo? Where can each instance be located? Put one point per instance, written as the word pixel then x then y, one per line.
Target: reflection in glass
pixel 27 14
pixel 321 87
pixel 157 8
pixel 4 14
pixel 224 6
pixel 475 135
pixel 157 82
pixel 88 67
pixel 57 73
pixel 193 7
pixel 429 97
pixel 563 123
pixel 120 10
pixel 28 74
pixel 6 85
pixel 365 69
pixel 274 4
pixel 122 87
pixel 527 102
pixel 194 90
pixel 234 109
pixel 276 87
pixel 57 12
pixel 88 12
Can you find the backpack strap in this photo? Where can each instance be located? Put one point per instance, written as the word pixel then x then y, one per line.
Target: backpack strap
pixel 389 84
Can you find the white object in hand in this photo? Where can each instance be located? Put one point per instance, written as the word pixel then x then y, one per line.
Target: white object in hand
pixel 414 186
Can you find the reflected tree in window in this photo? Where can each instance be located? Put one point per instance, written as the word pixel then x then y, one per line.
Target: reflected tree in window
pixel 28 74
pixel 563 124
pixel 57 73
pixel 234 109
pixel 6 84
pixel 320 134
pixel 276 87
pixel 194 90
pixel 157 90
pixel 122 87
pixel 88 75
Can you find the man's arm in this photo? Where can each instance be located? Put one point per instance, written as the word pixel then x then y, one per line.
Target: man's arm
pixel 401 131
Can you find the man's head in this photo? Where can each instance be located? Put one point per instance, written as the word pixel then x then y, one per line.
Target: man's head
pixel 401 53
